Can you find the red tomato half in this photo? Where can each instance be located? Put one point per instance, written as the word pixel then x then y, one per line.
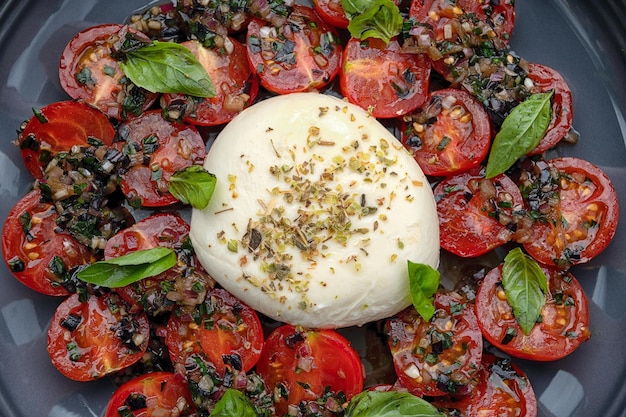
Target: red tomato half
pixel 34 252
pixel 331 11
pixel 56 128
pixel 152 395
pixel 438 357
pixel 302 55
pixel 302 364
pixel 225 329
pixel 88 340
pixel 475 212
pixel 448 135
pixel 382 79
pixel 159 149
pixel 88 72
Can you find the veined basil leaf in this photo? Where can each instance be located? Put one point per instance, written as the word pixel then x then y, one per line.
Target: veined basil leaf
pixel 233 404
pixel 390 404
pixel 373 19
pixel 521 132
pixel 525 286
pixel 193 185
pixel 423 284
pixel 129 268
pixel 167 67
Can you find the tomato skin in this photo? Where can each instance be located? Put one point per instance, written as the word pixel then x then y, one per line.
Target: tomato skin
pixel 317 359
pixel 381 78
pixel 564 318
pixel 66 123
pixel 100 351
pixel 454 339
pixel 331 11
pixel 455 140
pixel 38 249
pixel 316 54
pixel 226 330
pixel 162 391
pixel 469 208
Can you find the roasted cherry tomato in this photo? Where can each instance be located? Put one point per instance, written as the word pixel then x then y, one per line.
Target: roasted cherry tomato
pixel 575 208
pixel 449 134
pixel 235 85
pixel 35 253
pixel 440 356
pixel 545 79
pixel 158 148
pixel 226 330
pixel 154 394
pixel 56 128
pixel 302 365
pixel 88 72
pixel 90 339
pixel 475 213
pixel 563 326
pixel 303 54
pixel 185 283
pixel 382 79
pixel 331 11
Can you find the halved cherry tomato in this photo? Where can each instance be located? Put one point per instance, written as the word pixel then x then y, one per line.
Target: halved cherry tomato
pixel 302 55
pixel 154 394
pixel 226 330
pixel 448 135
pixel 545 79
pixel 35 253
pixel 235 85
pixel 576 210
pixel 159 148
pixel 88 72
pixel 564 323
pixel 185 283
pixel 90 339
pixel 382 79
pixel 475 213
pixel 56 128
pixel 331 11
pixel 300 365
pixel 438 357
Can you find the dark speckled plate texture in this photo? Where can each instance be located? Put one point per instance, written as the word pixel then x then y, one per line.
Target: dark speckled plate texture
pixel 582 39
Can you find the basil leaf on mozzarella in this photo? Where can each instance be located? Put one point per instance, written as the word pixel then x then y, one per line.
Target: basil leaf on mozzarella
pixel 423 284
pixel 193 185
pixel 390 404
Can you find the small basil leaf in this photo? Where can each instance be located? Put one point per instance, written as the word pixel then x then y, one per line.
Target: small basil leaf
pixel 193 185
pixel 373 19
pixel 423 284
pixel 521 132
pixel 129 268
pixel 525 286
pixel 167 67
pixel 233 404
pixel 389 404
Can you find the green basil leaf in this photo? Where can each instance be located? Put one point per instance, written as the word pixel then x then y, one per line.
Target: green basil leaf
pixel 167 67
pixel 373 19
pixel 525 286
pixel 423 284
pixel 129 268
pixel 521 132
pixel 233 404
pixel 390 404
pixel 193 185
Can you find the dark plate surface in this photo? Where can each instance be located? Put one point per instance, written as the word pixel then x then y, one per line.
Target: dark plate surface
pixel 582 39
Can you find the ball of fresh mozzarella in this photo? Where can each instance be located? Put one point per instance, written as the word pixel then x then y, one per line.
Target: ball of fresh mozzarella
pixel 316 211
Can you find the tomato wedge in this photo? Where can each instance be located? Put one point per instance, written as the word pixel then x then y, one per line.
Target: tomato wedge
pixel 382 79
pixel 303 54
pixel 56 128
pixel 448 135
pixel 154 394
pixel 438 357
pixel 301 365
pixel 90 339
pixel 35 253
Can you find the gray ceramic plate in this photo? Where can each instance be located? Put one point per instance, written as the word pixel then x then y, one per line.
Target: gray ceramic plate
pixel 582 39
